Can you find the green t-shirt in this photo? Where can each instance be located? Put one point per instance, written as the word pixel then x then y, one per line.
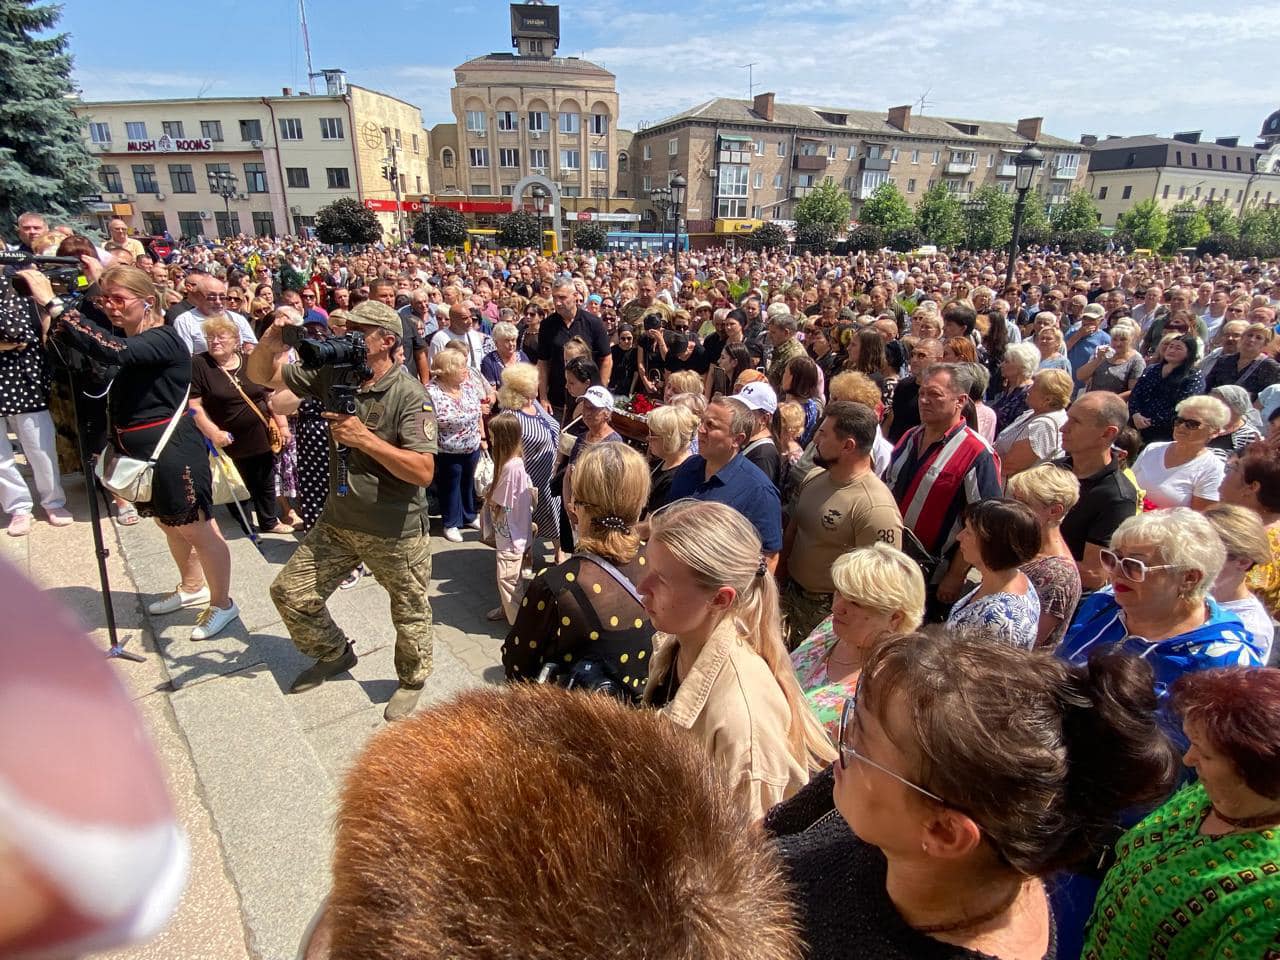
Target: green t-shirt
pixel 398 409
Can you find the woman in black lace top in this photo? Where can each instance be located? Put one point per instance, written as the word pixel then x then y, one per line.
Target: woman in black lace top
pixel 968 771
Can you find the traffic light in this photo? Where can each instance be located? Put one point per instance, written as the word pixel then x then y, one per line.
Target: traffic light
pixel 386 174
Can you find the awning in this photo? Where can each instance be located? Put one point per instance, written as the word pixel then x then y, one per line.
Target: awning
pixel 735 137
pixel 122 209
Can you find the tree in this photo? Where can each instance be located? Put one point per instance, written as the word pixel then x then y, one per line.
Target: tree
pixel 865 237
pixel 905 240
pixel 1077 212
pixel 1260 231
pixel 815 236
pixel 44 164
pixel 1187 226
pixel 1081 241
pixel 939 217
pixel 1035 230
pixel 1221 220
pixel 990 220
pixel 591 236
pixel 1146 223
pixel 827 205
pixel 448 227
pixel 887 209
pixel 347 220
pixel 520 229
pixel 769 236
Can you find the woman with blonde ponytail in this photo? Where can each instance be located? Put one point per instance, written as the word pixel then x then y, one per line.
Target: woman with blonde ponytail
pixel 721 669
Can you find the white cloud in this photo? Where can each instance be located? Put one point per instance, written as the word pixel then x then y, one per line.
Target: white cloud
pixel 144 84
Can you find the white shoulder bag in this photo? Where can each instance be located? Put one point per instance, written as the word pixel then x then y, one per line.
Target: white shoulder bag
pixel 127 477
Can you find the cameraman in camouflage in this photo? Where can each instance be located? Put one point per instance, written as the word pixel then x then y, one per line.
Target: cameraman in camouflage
pixel 381 522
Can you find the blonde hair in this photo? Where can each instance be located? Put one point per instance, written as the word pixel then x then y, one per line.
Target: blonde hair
pixel 519 385
pixel 684 381
pixel 884 579
pixel 610 480
pixel 790 420
pixel 134 279
pixel 1045 485
pixel 695 403
pixel 721 549
pixel 856 386
pixel 1209 409
pixel 448 362
pixel 1242 532
pixel 1056 385
pixel 220 323
pixel 576 347
pixel 674 426
pixel 504 441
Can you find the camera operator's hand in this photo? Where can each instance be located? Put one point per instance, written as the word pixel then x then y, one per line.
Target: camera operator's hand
pixel 92 267
pixel 348 430
pixel 38 284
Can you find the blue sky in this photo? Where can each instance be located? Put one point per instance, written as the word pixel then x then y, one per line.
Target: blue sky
pixel 1087 67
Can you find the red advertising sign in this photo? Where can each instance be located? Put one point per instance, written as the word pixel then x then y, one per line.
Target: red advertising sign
pixel 389 206
pixel 411 206
pixel 475 206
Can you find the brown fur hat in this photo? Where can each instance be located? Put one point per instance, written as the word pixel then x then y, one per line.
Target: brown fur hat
pixel 544 824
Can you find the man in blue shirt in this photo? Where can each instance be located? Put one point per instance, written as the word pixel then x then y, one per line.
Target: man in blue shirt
pixel 1084 339
pixel 721 473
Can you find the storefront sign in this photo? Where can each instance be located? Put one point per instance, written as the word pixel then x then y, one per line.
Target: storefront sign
pixel 389 206
pixel 170 145
pixel 603 217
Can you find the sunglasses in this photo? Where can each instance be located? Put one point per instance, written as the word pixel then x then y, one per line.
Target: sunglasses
pixel 1188 422
pixel 1133 570
pixel 848 721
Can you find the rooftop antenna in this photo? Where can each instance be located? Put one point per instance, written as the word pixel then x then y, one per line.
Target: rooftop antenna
pixel 306 46
pixel 924 101
pixel 751 83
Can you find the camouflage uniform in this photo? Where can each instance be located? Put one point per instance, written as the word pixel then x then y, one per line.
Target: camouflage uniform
pixel 381 522
pixel 783 354
pixel 803 610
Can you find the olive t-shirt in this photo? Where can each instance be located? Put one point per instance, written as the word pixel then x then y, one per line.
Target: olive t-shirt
pixel 398 409
pixel 832 520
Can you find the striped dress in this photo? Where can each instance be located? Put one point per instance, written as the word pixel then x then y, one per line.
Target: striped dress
pixel 539 435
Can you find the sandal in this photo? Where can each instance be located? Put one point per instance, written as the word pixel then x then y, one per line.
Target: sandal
pixel 127 515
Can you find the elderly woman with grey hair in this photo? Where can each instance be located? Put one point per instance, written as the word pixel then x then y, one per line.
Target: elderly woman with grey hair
pixel 504 353
pixel 1240 432
pixel 1183 472
pixel 1021 361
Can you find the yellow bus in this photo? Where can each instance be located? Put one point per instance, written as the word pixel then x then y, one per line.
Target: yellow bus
pixel 486 239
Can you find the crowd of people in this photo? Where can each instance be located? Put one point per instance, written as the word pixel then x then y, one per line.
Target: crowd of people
pixel 964 589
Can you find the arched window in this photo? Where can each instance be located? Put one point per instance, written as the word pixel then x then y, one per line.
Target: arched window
pixel 446 158
pixel 622 162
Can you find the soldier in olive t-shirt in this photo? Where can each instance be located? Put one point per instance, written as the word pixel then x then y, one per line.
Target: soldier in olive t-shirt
pixel 832 519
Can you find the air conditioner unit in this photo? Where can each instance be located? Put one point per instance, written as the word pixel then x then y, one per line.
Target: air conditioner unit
pixel 159 196
pixel 102 147
pixel 295 210
pixel 535 134
pixel 206 215
pixel 256 144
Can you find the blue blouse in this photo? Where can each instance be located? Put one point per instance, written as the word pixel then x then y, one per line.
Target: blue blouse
pixel 1011 618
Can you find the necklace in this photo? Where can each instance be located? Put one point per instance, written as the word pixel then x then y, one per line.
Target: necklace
pixel 1249 823
pixel 968 922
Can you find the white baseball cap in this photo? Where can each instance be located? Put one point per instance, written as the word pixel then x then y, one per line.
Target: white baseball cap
pixel 599 397
pixel 759 396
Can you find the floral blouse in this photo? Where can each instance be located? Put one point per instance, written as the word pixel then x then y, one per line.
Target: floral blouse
pixel 1057 583
pixel 826 697
pixel 1264 580
pixel 1011 618
pixel 458 420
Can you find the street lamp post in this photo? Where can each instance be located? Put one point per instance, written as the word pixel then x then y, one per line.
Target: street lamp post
pixel 1027 162
pixel 222 183
pixel 660 197
pixel 539 193
pixel 678 188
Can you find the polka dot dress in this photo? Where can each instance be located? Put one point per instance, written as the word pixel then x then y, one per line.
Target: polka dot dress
pixel 25 374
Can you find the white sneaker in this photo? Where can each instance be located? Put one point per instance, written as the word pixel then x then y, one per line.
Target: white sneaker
pixel 475 523
pixel 177 600
pixel 213 620
pixel 453 534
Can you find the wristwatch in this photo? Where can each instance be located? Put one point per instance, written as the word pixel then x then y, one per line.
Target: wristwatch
pixel 54 307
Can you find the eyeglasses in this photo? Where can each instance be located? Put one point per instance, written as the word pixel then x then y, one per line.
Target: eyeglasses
pixel 215 296
pixel 849 713
pixel 1131 569
pixel 1188 422
pixel 115 300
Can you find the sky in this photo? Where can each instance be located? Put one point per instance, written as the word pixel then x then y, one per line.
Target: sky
pixel 1086 67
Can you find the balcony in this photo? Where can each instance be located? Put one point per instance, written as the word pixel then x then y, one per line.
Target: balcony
pixel 875 164
pixel 810 161
pixel 1063 173
pixel 1007 170
pixel 799 193
pixel 958 168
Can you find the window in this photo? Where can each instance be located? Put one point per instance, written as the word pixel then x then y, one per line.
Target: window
pixel 1178 157
pixel 1067 164
pixel 1165 193
pixel 1224 161
pixel 570 160
pixel 399 139
pixel 599 124
pixel 190 223
pixel 507 120
pixel 572 191
pixel 481 189
pixel 911 185
pixel 915 156
pixel 872 180
pixel 153 222
pixel 330 128
pixel 648 152
pixel 1182 192
pixel 290 128
pixel 475 121
pixel 570 123
pixel 757 211
pixel 508 157
pixel 1239 196
pixel 806 180
pixel 1239 163
pixel 599 160
pixel 759 148
pixel 255 177
pixel 339 178
pixel 622 163
pixel 171 128
pixel 847 183
pixel 732 181
pixel 100 132
pixel 954 186
pixel 1197 196
pixel 211 130
pixel 109 177
pixel 673 146
pixel 250 130
pixel 144 178
pixel 646 184
pixel 1212 191
pixel 415 143
pixel 777 181
pixel 1102 193
pixel 757 181
pixel 228 226
pixel 875 151
pixel 301 223
pixel 135 130
pixel 991 160
pixel 782 148
pixel 729 208
pixel 894 157
pixel 539 159
pixel 1004 186
pixel 508 189
pixel 403 185
pixel 297 177
pixel 212 171
pixel 937 157
pixel 537 121
pixel 264 224
pixel 831 151
pixel 446 159
pixel 1195 161
pixel 1126 193
pixel 478 156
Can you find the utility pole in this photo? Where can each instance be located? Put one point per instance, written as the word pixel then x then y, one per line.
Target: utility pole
pixel 391 170
pixel 751 83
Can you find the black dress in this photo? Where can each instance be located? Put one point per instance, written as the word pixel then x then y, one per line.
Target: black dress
pixel 154 376
pixel 311 432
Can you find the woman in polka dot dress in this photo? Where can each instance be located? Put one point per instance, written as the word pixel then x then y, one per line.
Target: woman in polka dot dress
pixel 587 607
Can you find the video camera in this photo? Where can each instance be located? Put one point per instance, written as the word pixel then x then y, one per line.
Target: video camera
pixel 65 273
pixel 347 355
pixel 587 674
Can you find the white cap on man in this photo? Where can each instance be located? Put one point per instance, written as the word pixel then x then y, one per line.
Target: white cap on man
pixel 599 397
pixel 759 396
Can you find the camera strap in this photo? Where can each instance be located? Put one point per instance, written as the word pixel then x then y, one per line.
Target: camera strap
pixel 609 568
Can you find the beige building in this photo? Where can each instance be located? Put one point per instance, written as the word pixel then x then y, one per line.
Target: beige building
pixel 532 112
pixel 1126 170
pixel 751 160
pixel 165 163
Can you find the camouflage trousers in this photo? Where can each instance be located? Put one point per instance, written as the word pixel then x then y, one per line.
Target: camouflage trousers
pixel 803 610
pixel 324 559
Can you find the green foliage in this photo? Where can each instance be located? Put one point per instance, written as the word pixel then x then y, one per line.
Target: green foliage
pixel 1035 230
pixel 1078 212
pixel 865 237
pixel 1217 243
pixel 887 209
pixel 591 236
pixel 1221 220
pixel 940 217
pixel 905 240
pixel 520 229
pixel 827 205
pixel 346 220
pixel 1260 231
pixel 817 237
pixel 989 222
pixel 769 236
pixel 1081 241
pixel 44 163
pixel 1146 223
pixel 448 227
pixel 1187 226
pixel 292 278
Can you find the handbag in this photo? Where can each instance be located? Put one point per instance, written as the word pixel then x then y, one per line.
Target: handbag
pixel 483 478
pixel 277 441
pixel 127 477
pixel 228 485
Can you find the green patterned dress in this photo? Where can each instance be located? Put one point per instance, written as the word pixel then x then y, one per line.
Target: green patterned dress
pixel 1176 894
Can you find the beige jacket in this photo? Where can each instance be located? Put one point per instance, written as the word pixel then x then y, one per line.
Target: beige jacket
pixel 732 704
